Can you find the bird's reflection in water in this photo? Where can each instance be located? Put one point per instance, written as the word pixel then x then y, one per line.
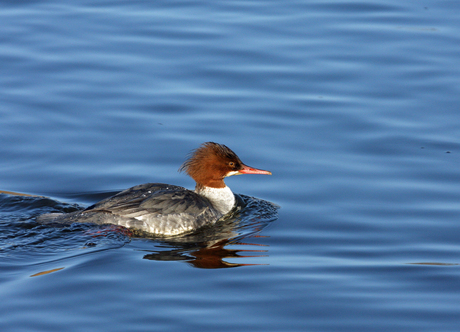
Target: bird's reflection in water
pixel 209 257
pixel 211 247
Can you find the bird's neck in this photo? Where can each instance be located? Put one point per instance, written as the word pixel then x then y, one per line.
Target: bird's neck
pixel 222 199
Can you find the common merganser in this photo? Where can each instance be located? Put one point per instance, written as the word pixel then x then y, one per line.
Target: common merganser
pixel 166 210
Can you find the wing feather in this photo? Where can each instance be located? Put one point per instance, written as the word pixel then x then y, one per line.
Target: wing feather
pixel 153 198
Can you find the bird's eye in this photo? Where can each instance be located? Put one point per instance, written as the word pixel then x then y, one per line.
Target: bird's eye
pixel 231 164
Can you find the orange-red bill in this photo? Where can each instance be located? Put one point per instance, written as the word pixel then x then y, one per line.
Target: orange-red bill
pixel 251 170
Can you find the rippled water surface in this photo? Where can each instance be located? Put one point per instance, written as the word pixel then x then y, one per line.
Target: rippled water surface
pixel 353 106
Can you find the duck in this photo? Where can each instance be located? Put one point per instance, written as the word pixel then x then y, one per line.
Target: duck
pixel 169 210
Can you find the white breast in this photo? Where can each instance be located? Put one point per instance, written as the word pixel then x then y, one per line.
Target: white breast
pixel 222 199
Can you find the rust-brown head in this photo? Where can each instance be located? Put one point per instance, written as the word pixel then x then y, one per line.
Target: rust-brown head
pixel 211 163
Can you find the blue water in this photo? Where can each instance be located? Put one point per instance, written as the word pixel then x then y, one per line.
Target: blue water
pixel 353 106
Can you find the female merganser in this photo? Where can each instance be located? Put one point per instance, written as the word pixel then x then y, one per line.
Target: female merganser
pixel 166 210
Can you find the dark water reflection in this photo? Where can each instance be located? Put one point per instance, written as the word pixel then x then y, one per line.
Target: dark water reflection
pixel 206 255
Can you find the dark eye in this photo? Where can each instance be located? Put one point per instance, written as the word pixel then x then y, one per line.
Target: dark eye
pixel 231 164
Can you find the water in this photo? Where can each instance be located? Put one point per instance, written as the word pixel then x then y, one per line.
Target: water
pixel 352 105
